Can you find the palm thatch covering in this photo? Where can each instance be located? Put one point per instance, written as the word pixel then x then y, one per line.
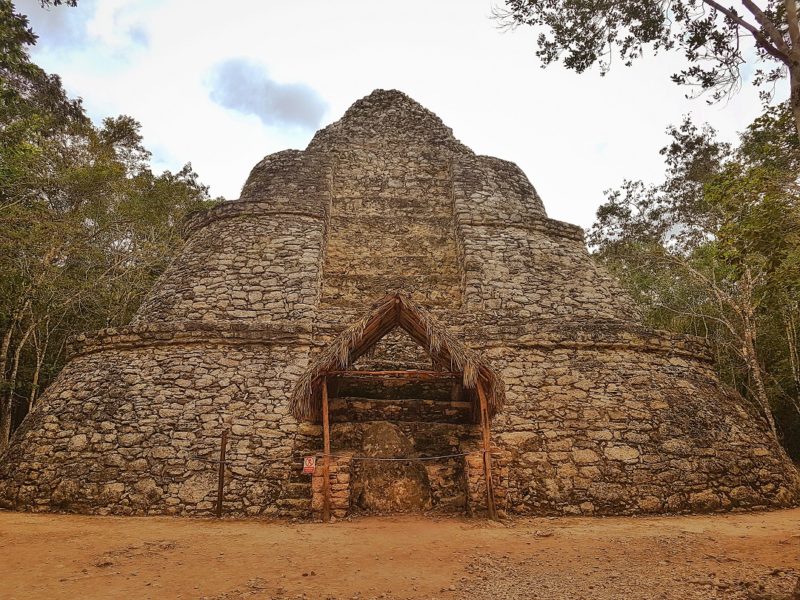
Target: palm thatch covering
pixel 396 310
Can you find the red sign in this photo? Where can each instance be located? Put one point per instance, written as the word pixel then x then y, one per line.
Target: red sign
pixel 309 464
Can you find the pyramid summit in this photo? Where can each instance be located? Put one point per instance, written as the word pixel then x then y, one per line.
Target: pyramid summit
pixel 387 115
pixel 419 296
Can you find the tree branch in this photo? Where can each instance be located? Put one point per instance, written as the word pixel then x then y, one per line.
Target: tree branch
pixel 773 32
pixel 794 26
pixel 777 51
pixel 696 315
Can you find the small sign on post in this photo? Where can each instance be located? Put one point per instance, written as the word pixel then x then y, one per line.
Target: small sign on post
pixel 309 464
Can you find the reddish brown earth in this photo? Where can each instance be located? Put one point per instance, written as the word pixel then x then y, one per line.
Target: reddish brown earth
pixel 749 556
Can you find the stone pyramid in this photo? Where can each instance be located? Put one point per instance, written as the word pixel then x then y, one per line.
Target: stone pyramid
pixel 602 416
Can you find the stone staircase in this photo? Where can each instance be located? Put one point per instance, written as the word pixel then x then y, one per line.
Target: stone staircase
pixel 386 418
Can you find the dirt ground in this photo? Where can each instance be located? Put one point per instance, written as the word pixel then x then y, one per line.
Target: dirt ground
pixel 750 556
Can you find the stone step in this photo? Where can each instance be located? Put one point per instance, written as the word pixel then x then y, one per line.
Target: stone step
pixel 359 409
pixel 429 438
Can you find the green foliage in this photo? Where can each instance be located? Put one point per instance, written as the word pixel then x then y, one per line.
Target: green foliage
pixel 715 39
pixel 714 250
pixel 582 34
pixel 85 225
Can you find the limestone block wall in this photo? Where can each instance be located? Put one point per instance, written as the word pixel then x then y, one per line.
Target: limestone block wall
pixel 475 474
pixel 492 190
pixel 386 115
pixel 394 352
pixel 262 268
pixel 391 211
pixel 256 259
pixel 391 226
pixel 339 481
pixel 444 476
pixel 132 426
pixel 518 262
pixel 633 427
pixel 289 177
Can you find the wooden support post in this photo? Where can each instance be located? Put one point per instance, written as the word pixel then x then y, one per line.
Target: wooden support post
pixel 221 474
pixel 487 453
pixel 326 459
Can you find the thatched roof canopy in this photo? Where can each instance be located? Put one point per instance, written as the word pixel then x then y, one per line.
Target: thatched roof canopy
pixel 396 310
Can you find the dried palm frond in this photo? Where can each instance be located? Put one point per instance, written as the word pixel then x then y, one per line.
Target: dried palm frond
pixel 394 310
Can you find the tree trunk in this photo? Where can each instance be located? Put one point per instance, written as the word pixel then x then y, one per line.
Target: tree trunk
pixel 8 406
pixel 5 399
pixel 41 353
pixel 35 379
pixel 794 98
pixel 6 344
pixel 791 341
pixel 5 424
pixel 751 359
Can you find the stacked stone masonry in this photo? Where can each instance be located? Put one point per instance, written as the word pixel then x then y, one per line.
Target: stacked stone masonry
pixel 339 482
pixel 476 482
pixel 602 415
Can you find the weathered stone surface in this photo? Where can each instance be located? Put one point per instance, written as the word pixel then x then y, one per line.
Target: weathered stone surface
pixel 623 453
pixel 602 415
pixel 196 488
pixel 382 486
pixel 78 442
pixel 585 456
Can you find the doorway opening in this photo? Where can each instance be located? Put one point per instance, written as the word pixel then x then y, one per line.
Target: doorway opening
pixel 406 440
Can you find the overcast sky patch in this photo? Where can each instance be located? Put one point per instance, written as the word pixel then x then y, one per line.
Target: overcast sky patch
pixel 573 135
pixel 246 86
pixel 119 28
pixel 57 26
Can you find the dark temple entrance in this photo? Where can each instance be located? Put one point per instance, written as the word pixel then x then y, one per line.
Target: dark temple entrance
pixel 382 416
pixel 400 440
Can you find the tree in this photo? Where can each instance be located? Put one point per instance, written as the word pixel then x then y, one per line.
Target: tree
pixel 714 250
pixel 85 225
pixel 709 33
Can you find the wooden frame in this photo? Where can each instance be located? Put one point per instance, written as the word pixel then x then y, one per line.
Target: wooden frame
pixel 447 355
pixel 326 459
pixel 487 454
pixel 411 375
pixel 484 424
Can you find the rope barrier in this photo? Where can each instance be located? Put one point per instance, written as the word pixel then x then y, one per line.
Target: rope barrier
pixel 399 458
pixel 351 457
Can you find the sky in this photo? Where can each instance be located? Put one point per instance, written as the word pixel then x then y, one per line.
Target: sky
pixel 221 84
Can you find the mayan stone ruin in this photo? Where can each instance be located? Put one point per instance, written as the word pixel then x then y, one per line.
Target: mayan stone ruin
pixel 413 294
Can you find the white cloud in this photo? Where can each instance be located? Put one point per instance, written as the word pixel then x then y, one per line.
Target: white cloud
pixel 574 135
pixel 245 85
pixel 57 26
pixel 118 24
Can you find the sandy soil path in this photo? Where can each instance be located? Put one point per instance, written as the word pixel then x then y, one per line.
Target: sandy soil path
pixel 750 556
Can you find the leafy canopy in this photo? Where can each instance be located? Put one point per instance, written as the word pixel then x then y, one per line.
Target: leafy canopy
pixel 714 250
pixel 85 225
pixel 716 39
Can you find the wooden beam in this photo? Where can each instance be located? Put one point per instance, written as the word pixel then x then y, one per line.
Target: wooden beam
pixel 339 404
pixel 326 459
pixel 373 333
pixel 487 454
pixel 405 374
